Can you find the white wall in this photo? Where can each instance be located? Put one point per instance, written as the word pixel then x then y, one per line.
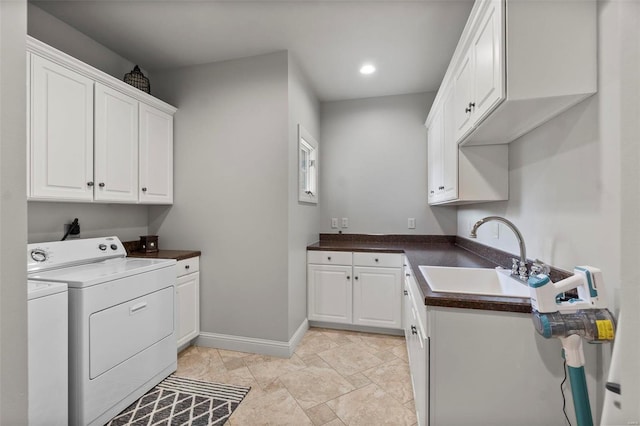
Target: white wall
pixel 51 30
pixel 13 209
pixel 46 219
pixel 372 167
pixel 575 185
pixel 304 218
pixel 231 190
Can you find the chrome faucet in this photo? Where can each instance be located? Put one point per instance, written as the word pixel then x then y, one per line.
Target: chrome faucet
pixel 518 267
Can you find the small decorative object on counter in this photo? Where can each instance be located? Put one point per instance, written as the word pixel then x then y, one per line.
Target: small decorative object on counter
pixel 149 243
pixel 138 80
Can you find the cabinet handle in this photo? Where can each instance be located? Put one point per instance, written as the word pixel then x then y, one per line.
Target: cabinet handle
pixel 89 183
pixel 144 189
pixel 407 274
pixel 186 266
pixel 406 293
pixel 101 184
pixel 414 330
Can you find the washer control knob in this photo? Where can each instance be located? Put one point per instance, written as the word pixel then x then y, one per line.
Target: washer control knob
pixel 38 255
pixel 102 247
pixel 114 247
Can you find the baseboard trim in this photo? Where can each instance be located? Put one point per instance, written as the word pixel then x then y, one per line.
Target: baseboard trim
pixel 252 344
pixel 360 328
pixel 297 336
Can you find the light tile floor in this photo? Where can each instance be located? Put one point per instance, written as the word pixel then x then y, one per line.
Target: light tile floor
pixel 334 378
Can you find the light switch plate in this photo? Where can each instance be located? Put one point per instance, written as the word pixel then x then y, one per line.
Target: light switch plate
pixel 345 222
pixel 334 222
pixel 411 223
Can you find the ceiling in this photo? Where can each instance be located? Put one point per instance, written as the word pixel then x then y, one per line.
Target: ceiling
pixel 410 42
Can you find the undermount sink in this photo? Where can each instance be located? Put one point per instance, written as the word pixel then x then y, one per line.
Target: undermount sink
pixel 489 282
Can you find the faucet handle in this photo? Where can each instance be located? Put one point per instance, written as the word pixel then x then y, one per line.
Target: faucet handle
pixel 515 265
pixel 539 267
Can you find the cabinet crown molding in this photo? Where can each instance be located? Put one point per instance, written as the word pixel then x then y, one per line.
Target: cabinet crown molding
pixel 42 49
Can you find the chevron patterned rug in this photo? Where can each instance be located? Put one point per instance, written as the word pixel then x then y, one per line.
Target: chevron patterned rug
pixel 181 401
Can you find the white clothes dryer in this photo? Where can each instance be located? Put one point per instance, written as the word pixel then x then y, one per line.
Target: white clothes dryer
pixel 122 322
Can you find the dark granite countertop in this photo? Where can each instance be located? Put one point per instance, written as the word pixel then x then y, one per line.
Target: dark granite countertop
pixel 166 254
pixel 133 248
pixel 434 251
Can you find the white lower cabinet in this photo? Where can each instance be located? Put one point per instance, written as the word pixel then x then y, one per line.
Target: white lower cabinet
pixel 415 330
pixel 482 367
pixel 376 294
pixel 330 293
pixel 355 288
pixel 188 300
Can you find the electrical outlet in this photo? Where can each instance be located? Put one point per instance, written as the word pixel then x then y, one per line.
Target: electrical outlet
pixel 411 223
pixel 334 222
pixel 345 222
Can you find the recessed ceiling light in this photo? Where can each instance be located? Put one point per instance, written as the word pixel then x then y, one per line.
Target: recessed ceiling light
pixel 367 69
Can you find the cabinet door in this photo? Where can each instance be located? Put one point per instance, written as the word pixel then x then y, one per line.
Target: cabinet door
pixel 434 158
pixel 329 293
pixel 463 96
pixel 449 150
pixel 61 157
pixel 487 49
pixel 188 307
pixel 116 146
pixel 377 297
pixel 156 156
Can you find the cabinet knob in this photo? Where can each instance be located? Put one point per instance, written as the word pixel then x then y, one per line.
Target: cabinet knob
pixel 89 183
pixel 348 277
pixel 432 191
pixel 101 184
pixel 472 104
pixel 376 259
pixel 414 330
pixel 467 110
pixel 328 257
pixel 407 274
pixel 406 293
pixel 144 189
pixel 186 266
pixel 356 278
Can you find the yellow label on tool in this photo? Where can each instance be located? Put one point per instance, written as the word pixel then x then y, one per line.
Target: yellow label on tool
pixel 605 329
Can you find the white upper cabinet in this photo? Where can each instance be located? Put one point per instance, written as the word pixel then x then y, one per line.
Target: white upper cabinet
pixel 61 130
pixel 116 146
pixel 434 158
pixel 487 50
pixel 156 156
pixel 517 66
pixel 478 78
pixel 92 137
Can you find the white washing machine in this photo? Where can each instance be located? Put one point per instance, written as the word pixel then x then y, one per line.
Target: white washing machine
pixel 48 350
pixel 122 322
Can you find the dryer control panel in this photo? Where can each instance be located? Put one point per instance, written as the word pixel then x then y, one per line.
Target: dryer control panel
pixel 61 254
